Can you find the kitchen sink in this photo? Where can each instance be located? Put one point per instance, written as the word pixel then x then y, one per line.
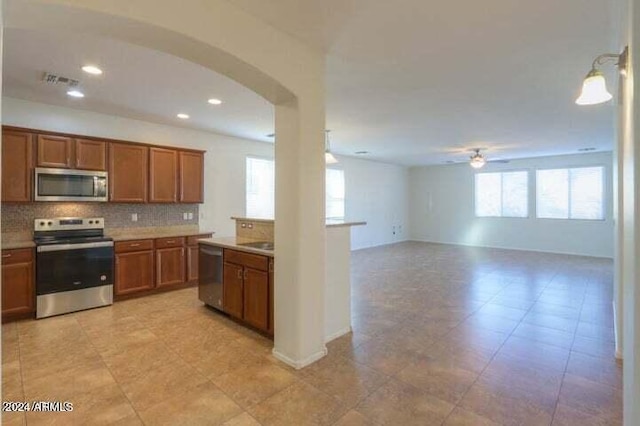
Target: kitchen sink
pixel 262 245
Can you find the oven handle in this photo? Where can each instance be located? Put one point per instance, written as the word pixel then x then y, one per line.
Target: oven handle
pixel 60 247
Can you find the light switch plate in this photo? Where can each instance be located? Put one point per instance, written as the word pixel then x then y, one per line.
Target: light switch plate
pixel 134 217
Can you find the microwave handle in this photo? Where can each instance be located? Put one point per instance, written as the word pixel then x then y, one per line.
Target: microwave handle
pixel 95 186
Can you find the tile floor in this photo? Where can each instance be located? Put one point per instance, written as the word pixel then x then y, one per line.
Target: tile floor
pixel 443 335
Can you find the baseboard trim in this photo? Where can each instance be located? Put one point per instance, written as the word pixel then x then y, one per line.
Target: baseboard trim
pixel 615 332
pixel 382 244
pixel 301 363
pixel 337 334
pixel 568 253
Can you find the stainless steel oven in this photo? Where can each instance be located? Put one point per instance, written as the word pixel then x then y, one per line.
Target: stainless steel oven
pixel 70 185
pixel 74 265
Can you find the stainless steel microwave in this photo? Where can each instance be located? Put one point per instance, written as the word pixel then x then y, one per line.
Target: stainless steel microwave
pixel 70 185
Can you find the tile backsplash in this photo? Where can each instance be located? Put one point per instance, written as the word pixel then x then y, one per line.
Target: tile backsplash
pixel 20 217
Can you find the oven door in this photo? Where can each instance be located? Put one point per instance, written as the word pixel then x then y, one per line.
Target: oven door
pixel 65 267
pixel 70 185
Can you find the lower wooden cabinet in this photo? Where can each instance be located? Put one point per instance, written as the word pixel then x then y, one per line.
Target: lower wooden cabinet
pixel 170 267
pixel 232 290
pixel 271 296
pixel 247 294
pixel 18 286
pixel 134 272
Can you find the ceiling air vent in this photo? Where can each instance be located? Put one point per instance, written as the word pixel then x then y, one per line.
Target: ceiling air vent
pixel 58 79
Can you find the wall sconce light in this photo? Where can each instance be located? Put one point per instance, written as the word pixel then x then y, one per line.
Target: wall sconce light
pixel 594 87
pixel 328 156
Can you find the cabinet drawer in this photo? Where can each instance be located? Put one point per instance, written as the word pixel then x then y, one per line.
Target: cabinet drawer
pixel 17 256
pixel 133 245
pixel 250 260
pixel 169 242
pixel 193 240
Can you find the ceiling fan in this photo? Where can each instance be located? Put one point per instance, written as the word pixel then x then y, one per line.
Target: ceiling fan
pixel 478 160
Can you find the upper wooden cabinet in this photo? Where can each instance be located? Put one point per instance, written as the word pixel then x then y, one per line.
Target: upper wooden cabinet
pixel 191 177
pixel 55 151
pixel 91 154
pixel 17 166
pixel 128 169
pixel 163 175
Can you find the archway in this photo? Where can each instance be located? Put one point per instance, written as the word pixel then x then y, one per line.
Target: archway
pixel 227 40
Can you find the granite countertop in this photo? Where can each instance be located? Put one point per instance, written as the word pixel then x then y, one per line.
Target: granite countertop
pixel 330 223
pixel 126 234
pixel 8 244
pixel 233 243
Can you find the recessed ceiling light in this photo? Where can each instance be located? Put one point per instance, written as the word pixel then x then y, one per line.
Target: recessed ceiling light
pixel 361 152
pixel 75 94
pixel 214 101
pixel 183 116
pixel 92 69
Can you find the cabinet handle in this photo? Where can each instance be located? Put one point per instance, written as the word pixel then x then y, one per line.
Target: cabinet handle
pixel 270 266
pixel 245 274
pixel 170 242
pixel 4 256
pixel 240 274
pixel 134 245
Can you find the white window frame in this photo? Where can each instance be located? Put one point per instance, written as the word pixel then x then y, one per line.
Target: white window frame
pixel 246 192
pixel 604 193
pixel 527 216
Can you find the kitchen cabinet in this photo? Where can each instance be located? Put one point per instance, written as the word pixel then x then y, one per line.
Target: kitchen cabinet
pixel 192 256
pixel 163 175
pixel 232 289
pixel 18 295
pixel 271 296
pixel 191 177
pixel 246 287
pixel 134 266
pixel 90 154
pixel 54 151
pixel 170 261
pixel 17 166
pixel 128 172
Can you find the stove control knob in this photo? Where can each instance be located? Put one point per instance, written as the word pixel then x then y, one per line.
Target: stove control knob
pixel 41 223
pixel 91 222
pixel 49 223
pixel 97 221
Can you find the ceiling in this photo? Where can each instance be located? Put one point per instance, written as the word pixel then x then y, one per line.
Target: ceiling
pixel 410 81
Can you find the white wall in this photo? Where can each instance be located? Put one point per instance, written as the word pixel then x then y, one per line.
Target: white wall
pixel 442 210
pixel 376 192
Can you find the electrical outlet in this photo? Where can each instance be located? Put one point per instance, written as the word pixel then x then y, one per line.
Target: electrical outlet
pixel 185 216
pixel 134 217
pixel 393 228
pixel 190 215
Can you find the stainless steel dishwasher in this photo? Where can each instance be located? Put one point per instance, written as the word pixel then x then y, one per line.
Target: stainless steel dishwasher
pixel 210 276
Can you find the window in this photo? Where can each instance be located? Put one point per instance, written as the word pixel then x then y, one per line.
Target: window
pixel 502 194
pixel 261 190
pixel 570 193
pixel 335 194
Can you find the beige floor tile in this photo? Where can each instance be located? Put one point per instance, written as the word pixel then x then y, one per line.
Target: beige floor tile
pixel 385 357
pixel 607 371
pixel 101 406
pixel 201 405
pixel 396 403
pixel 347 343
pixel 299 404
pixel 503 409
pixel 567 416
pixel 440 377
pixel 462 417
pixel 353 418
pixel 243 419
pixel 13 418
pixel 161 383
pixel 253 384
pixel 343 378
pixel 591 398
pixel 127 365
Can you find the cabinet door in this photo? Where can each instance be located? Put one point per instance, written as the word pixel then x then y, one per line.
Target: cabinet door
pixel 170 266
pixel 17 288
pixel 163 175
pixel 17 166
pixel 54 151
pixel 191 177
pixel 91 155
pixel 232 290
pixel 134 272
pixel 192 264
pixel 271 295
pixel 256 298
pixel 128 171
